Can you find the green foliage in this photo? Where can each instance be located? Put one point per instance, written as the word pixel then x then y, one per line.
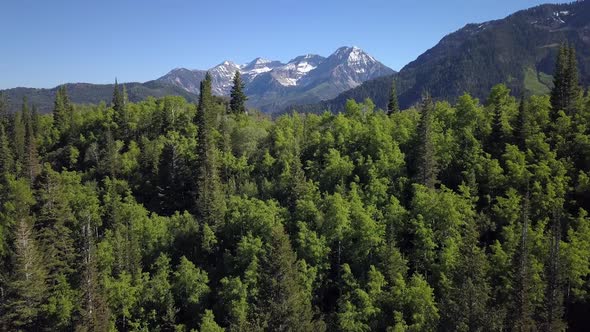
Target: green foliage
pixel 26 291
pixel 393 105
pixel 208 323
pixel 209 195
pixel 163 215
pixel 237 103
pixel 426 160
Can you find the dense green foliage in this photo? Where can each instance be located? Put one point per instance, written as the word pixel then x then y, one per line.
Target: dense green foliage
pixel 166 216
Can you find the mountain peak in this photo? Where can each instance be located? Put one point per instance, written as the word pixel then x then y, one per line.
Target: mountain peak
pixel 228 63
pixel 307 57
pixel 258 61
pixel 353 54
pixel 268 81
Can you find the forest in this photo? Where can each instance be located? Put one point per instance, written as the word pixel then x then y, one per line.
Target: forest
pixel 164 215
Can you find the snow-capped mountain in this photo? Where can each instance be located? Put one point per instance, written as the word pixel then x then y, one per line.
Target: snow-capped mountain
pixel 270 84
pixel 291 73
pixel 347 68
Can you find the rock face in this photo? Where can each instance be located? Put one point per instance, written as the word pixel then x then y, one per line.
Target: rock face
pixel 271 85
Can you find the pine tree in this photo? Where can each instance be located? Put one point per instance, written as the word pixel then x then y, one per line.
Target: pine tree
pixel 36 120
pixel 54 224
pixel 522 127
pixel 559 91
pixel 94 312
pixel 553 310
pixel 286 306
pixel 566 91
pixel 59 109
pixel 19 135
pixel 427 163
pixel 497 139
pixel 6 155
pixel 238 99
pixel 124 113
pixel 119 103
pixel 210 203
pixel 393 104
pixel 32 155
pixel 62 110
pixel 4 115
pixel 111 155
pixel 523 311
pixel 574 91
pixel 26 288
pixel 466 307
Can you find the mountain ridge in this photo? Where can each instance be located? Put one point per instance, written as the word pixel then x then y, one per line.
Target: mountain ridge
pixel 518 50
pixel 270 84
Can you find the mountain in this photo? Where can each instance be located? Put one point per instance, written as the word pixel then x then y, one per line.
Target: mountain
pixel 272 85
pixel 519 50
pixel 185 79
pixel 85 93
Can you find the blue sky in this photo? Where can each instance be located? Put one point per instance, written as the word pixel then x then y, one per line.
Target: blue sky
pixel 46 43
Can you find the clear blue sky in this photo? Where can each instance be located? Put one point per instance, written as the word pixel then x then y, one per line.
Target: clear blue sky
pixel 46 43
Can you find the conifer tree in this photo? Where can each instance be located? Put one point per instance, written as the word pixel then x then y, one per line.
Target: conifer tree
pixel 574 91
pixel 427 163
pixel 19 135
pixel 553 309
pixel 522 126
pixel 238 99
pixel 4 116
pixel 6 155
pixel 111 155
pixel 62 110
pixel 523 311
pixel 286 305
pixel 26 289
pixel 54 224
pixel 497 139
pixel 558 93
pixel 94 313
pixel 209 196
pixel 32 155
pixel 119 103
pixel 59 109
pixel 466 307
pixel 566 90
pixel 393 104
pixel 36 120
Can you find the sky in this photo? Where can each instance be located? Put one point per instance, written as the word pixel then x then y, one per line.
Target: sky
pixel 47 43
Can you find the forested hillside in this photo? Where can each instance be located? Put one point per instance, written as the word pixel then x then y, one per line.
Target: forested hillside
pixel 85 93
pixel 163 215
pixel 518 50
